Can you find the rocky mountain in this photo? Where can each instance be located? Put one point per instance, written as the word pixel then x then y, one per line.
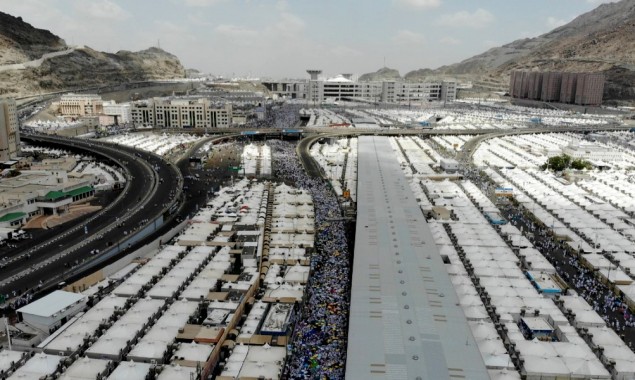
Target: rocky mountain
pixel 36 61
pixel 20 42
pixel 383 74
pixel 419 75
pixel 598 41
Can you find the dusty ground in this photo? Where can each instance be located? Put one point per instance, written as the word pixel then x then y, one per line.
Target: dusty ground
pixel 50 221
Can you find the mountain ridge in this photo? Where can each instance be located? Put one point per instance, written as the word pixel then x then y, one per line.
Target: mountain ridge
pixel 23 72
pixel 597 41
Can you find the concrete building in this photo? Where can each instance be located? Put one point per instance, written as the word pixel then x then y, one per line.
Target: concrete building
pixel 9 130
pixel 568 88
pixel 340 87
pixel 592 152
pixel 120 112
pixel 81 104
pixel 40 192
pixel 52 310
pixel 571 88
pixel 551 82
pixel 589 89
pixel 520 83
pixel 344 87
pixel 534 84
pixel 408 322
pixel 449 165
pixel 181 113
pixel 287 89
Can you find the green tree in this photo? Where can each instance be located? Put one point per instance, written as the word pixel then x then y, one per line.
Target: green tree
pixel 557 163
pixel 579 164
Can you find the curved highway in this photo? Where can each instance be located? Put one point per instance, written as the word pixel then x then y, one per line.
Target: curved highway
pixel 153 186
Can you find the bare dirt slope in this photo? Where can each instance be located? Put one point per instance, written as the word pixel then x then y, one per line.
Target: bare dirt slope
pixel 79 68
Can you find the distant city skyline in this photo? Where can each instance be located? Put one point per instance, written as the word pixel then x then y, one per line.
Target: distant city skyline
pixel 277 39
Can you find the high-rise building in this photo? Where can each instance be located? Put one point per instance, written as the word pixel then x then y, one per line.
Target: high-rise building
pixel 535 85
pixel 9 130
pixel 551 82
pixel 567 90
pixel 575 88
pixel 589 89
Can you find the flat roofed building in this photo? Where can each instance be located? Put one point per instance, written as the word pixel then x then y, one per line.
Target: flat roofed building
pixel 563 87
pixel 405 316
pixel 592 152
pixel 81 104
pixel 52 310
pixel 36 192
pixel 344 87
pixel 86 368
pixel 181 113
pixel 121 112
pixel 9 130
pixel 287 89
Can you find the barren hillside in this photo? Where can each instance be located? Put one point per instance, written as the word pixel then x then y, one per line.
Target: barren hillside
pixel 24 72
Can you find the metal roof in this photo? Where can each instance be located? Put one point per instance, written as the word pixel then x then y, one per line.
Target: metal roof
pixel 52 304
pixel 405 318
pixel 12 216
pixel 57 194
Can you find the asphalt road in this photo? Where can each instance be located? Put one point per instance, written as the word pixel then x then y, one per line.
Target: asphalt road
pixel 211 175
pixel 153 184
pixel 303 149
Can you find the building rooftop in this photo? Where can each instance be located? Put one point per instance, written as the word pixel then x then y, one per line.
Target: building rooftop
pixel 54 195
pixel 85 368
pixel 52 304
pixel 9 358
pixel 130 371
pixel 12 216
pixel 405 315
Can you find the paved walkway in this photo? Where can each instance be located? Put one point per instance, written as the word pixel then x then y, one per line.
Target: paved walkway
pixel 50 221
pixel 73 213
pixel 37 222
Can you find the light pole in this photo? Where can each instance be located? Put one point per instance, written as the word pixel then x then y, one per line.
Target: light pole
pixel 6 325
pixel 595 242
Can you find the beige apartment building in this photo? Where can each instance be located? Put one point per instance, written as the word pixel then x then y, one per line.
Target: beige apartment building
pixel 181 113
pixel 81 104
pixel 9 130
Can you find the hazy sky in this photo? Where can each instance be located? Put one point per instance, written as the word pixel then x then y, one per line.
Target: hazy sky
pixel 278 38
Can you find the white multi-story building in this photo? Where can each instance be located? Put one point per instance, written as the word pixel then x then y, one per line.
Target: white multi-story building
pixel 9 130
pixel 120 111
pixel 287 89
pixel 81 104
pixel 344 87
pixel 592 152
pixel 181 113
pixel 36 192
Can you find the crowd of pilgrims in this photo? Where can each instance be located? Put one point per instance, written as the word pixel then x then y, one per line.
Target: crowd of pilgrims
pixel 604 300
pixel 319 338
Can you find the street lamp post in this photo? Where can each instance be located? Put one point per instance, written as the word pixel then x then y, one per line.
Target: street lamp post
pixel 6 325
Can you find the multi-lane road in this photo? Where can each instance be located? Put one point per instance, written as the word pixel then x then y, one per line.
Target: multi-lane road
pixel 153 185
